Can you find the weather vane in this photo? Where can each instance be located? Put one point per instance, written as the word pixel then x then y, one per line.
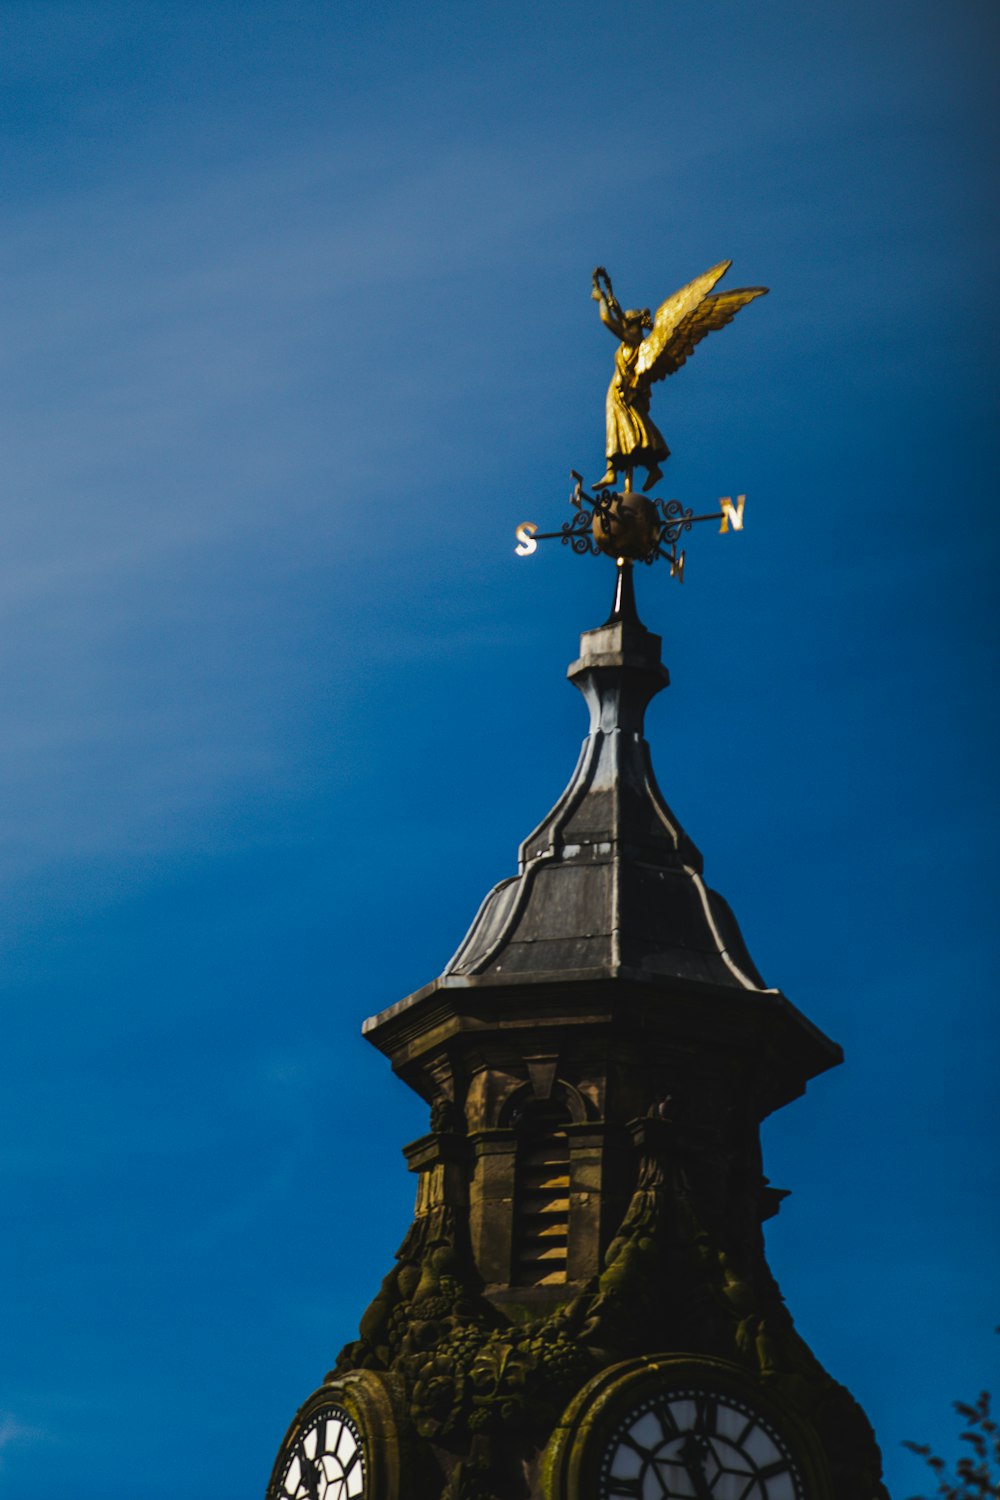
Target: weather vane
pixel 624 525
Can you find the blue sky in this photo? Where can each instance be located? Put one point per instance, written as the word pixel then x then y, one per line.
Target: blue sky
pixel 295 329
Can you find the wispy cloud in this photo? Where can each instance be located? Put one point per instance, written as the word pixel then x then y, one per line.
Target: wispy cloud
pixel 15 1433
pixel 197 373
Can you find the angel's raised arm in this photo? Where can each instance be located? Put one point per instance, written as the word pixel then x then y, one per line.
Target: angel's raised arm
pixel 607 316
pixel 607 303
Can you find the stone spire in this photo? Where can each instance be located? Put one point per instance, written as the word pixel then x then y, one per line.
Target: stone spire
pixel 609 884
pixel 608 926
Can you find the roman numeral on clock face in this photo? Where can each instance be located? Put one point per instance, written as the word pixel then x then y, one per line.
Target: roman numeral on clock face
pixel 706 1410
pixel 667 1420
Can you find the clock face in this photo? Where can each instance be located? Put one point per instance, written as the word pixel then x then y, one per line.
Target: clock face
pixel 699 1446
pixel 327 1460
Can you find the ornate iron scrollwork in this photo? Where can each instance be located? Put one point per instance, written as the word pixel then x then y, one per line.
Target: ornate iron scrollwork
pixel 627 526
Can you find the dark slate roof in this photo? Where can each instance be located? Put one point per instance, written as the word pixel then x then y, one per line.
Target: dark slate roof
pixel 609 882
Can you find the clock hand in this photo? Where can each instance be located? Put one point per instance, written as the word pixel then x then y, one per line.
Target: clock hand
pixel 692 1454
pixel 311 1475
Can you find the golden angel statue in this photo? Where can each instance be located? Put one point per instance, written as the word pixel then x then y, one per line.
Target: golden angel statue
pixel 650 349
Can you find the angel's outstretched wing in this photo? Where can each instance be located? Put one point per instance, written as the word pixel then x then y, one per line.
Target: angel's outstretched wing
pixel 685 318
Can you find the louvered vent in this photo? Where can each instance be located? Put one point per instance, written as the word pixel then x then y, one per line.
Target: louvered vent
pixel 542 1211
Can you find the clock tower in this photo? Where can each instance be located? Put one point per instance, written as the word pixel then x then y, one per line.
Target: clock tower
pixel 582 1308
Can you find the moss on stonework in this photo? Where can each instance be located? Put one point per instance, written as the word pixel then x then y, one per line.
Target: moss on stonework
pixel 482 1382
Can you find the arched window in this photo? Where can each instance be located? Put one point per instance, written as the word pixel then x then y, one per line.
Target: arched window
pixel 541 1203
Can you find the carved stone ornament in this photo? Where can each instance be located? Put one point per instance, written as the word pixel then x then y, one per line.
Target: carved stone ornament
pixel 488 1393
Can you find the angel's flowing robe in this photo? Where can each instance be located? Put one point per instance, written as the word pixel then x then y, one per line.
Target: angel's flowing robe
pixel 632 437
